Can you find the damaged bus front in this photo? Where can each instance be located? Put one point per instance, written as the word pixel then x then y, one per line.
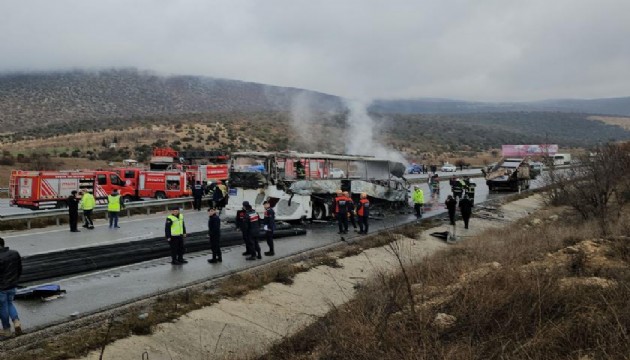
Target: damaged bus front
pixel 302 186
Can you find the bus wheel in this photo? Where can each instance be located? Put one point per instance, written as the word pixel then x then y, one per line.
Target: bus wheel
pixel 160 195
pixel 319 211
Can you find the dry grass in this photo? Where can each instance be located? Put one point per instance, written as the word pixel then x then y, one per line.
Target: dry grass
pixel 515 293
pixel 623 122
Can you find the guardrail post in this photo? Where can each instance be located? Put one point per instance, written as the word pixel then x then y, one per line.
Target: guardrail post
pixel 148 210
pixel 28 224
pixel 57 220
pixel 128 213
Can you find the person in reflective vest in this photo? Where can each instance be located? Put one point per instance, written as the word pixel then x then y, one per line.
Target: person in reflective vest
pixel 341 211
pixel 363 213
pixel 114 205
pixel 175 232
pixel 269 225
pixel 418 201
pixel 87 204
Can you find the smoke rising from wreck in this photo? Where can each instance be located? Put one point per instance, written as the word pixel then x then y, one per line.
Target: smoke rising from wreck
pixel 360 134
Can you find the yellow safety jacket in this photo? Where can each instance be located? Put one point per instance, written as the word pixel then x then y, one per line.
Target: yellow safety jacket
pixel 177 225
pixel 113 203
pixel 418 196
pixel 88 202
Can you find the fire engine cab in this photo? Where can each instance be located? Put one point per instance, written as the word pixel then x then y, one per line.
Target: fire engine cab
pixel 49 189
pixel 156 184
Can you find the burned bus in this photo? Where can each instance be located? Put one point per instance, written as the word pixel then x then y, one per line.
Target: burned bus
pixel 302 186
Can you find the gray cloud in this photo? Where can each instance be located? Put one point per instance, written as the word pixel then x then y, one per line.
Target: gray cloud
pixel 475 50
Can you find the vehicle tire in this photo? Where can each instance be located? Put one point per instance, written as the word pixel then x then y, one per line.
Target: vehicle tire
pixel 160 195
pixel 319 211
pixel 126 199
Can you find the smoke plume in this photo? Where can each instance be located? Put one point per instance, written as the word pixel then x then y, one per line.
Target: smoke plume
pixel 360 134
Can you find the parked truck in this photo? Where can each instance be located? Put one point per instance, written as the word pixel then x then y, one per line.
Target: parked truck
pixel 50 189
pixel 165 184
pixel 509 174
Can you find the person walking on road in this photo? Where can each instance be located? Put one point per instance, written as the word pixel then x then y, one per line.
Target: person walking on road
pixel 451 207
pixel 465 207
pixel 73 211
pixel 269 226
pixel 87 204
pixel 10 272
pixel 175 232
pixel 418 201
pixel 217 198
pixel 197 193
pixel 214 233
pixel 114 205
pixel 363 213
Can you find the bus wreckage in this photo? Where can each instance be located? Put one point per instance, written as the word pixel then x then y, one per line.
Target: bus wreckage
pixel 302 186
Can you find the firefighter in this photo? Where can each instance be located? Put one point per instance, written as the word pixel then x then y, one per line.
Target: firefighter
pixel 341 211
pixel 457 188
pixel 351 210
pixel 175 232
pixel 252 224
pixel 87 204
pixel 363 213
pixel 223 196
pixel 418 201
pixel 114 205
pixel 451 206
pixel 214 234
pixel 269 226
pixel 299 170
pixel 465 207
pixel 197 193
pixel 73 211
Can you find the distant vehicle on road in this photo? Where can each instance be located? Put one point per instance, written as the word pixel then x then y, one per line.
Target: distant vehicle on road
pixel 448 168
pixel 414 169
pixel 337 173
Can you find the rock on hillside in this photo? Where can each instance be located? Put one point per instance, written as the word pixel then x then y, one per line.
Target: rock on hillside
pixel 31 99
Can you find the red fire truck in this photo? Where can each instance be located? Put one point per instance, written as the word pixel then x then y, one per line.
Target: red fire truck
pixel 156 184
pixel 200 165
pixel 49 189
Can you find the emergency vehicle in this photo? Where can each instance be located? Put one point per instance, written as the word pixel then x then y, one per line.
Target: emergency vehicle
pixel 200 165
pixel 50 189
pixel 165 184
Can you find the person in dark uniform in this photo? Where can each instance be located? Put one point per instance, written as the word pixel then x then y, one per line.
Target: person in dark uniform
pixel 470 192
pixel 252 223
pixel 351 210
pixel 457 188
pixel 465 207
pixel 197 193
pixel 341 211
pixel 269 225
pixel 451 206
pixel 363 213
pixel 175 232
pixel 73 210
pixel 240 224
pixel 214 233
pixel 217 198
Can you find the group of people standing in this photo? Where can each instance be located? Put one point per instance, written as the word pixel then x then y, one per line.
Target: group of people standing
pixel 217 192
pixel 249 222
pixel 344 210
pixel 85 201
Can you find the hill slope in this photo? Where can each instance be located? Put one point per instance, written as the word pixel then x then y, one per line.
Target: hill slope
pixel 27 100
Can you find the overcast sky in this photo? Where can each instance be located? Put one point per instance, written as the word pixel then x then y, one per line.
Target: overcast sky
pixel 473 50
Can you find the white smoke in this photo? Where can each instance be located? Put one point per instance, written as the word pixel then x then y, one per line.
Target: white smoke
pixel 302 118
pixel 360 134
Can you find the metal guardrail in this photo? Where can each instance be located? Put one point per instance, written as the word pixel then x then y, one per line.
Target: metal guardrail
pixel 59 213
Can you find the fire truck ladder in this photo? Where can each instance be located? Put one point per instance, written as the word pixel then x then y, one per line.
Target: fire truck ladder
pixel 13 184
